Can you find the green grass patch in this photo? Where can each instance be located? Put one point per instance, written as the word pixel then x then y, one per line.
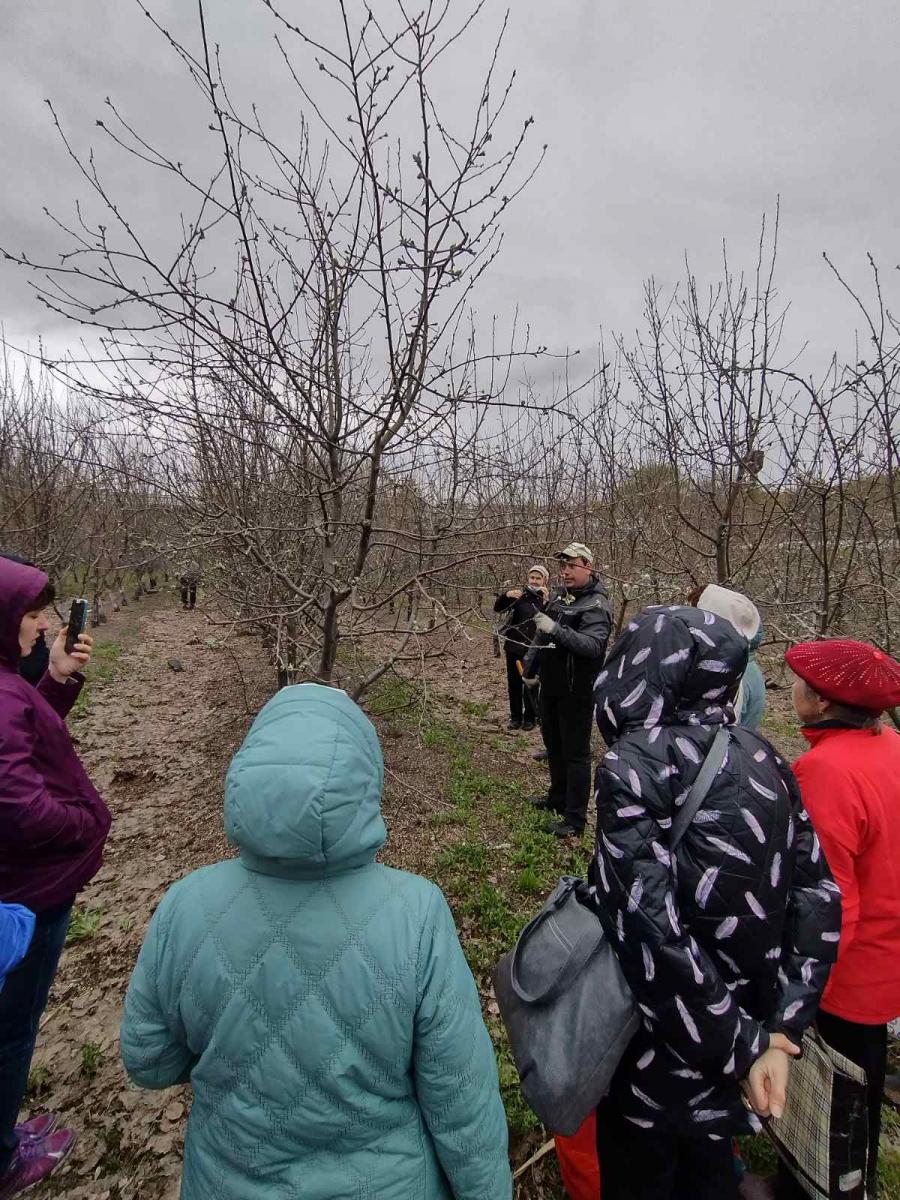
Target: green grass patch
pixel 114 1158
pixel 496 870
pixel 440 734
pixel 530 881
pixel 391 696
pixel 83 925
pixel 91 1059
pixel 103 665
pixel 38 1083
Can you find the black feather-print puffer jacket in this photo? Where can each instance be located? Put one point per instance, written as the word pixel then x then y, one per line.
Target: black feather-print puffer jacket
pixel 734 936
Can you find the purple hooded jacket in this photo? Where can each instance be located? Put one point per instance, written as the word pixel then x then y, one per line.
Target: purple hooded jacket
pixel 52 821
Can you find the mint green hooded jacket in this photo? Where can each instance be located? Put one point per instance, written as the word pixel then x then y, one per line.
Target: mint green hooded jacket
pixel 318 1003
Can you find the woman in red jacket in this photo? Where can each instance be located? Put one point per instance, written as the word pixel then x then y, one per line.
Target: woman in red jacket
pixel 52 828
pixel 850 783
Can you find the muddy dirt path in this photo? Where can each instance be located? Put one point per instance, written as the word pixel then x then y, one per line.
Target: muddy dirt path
pixel 164 713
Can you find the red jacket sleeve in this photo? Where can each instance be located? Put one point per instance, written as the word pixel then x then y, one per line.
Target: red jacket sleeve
pixel 839 819
pixel 29 815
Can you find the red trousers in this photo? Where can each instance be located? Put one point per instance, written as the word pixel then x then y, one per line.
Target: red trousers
pixel 578 1161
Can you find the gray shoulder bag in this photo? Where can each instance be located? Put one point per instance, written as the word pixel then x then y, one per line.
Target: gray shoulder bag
pixel 567 1007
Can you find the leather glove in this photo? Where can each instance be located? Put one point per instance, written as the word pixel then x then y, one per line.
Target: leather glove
pixel 530 681
pixel 545 624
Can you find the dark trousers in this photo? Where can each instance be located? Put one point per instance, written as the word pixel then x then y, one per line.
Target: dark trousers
pixel 22 1002
pixel 520 697
pixel 644 1164
pixel 566 725
pixel 866 1045
pixel 189 594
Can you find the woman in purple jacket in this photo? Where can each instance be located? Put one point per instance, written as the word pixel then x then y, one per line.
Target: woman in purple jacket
pixel 52 828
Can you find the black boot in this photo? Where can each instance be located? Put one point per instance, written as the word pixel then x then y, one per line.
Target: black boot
pixel 562 829
pixel 542 802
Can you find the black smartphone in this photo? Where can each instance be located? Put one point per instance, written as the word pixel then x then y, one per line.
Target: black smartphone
pixel 77 623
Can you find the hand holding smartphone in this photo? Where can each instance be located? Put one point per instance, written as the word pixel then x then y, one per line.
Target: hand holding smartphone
pixel 78 614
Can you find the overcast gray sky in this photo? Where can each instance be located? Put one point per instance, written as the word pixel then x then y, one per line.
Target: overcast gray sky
pixel 671 125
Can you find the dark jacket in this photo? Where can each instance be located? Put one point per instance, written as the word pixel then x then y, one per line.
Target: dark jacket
pixel 733 940
pixel 574 655
pixel 52 822
pixel 33 666
pixel 518 632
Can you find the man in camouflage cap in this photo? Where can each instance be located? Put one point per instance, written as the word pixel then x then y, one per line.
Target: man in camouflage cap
pixel 568 651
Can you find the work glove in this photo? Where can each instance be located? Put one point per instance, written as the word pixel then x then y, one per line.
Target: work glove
pixel 545 624
pixel 530 681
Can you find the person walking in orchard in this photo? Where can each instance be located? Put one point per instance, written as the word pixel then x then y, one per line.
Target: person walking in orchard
pixel 189 581
pixel 522 604
pixel 850 782
pixel 53 825
pixel 567 654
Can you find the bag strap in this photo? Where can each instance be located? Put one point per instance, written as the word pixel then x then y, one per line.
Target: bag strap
pixel 712 764
pixel 586 947
pixel 582 951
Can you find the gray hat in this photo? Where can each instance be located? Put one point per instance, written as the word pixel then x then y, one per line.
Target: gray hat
pixel 576 550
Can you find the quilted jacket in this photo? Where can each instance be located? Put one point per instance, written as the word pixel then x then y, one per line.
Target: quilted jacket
pixel 318 1003
pixel 733 937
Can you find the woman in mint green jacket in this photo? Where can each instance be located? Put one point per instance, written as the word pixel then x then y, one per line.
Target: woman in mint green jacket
pixel 318 1002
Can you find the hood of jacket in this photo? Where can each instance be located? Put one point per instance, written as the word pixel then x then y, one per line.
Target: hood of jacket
pixel 677 665
pixel 303 793
pixel 734 607
pixel 20 585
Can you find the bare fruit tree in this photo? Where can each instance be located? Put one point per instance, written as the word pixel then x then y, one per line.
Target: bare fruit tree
pixel 338 358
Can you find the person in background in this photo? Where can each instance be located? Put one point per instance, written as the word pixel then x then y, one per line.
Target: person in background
pixel 727 944
pixel 850 782
pixel 52 828
pixel 317 1001
pixel 750 705
pixel 518 633
pixel 565 657
pixel 188 581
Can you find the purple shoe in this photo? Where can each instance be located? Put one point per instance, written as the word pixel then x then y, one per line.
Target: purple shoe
pixel 33 1161
pixel 38 1127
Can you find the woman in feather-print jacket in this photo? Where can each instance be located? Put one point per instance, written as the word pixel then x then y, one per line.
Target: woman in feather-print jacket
pixel 733 938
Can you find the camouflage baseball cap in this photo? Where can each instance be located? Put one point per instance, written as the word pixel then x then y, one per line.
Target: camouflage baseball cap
pixel 576 550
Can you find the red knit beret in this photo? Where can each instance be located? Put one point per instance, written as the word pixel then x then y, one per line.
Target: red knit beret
pixel 848 672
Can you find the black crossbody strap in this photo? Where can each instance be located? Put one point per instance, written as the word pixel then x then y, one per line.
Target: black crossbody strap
pixel 712 764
